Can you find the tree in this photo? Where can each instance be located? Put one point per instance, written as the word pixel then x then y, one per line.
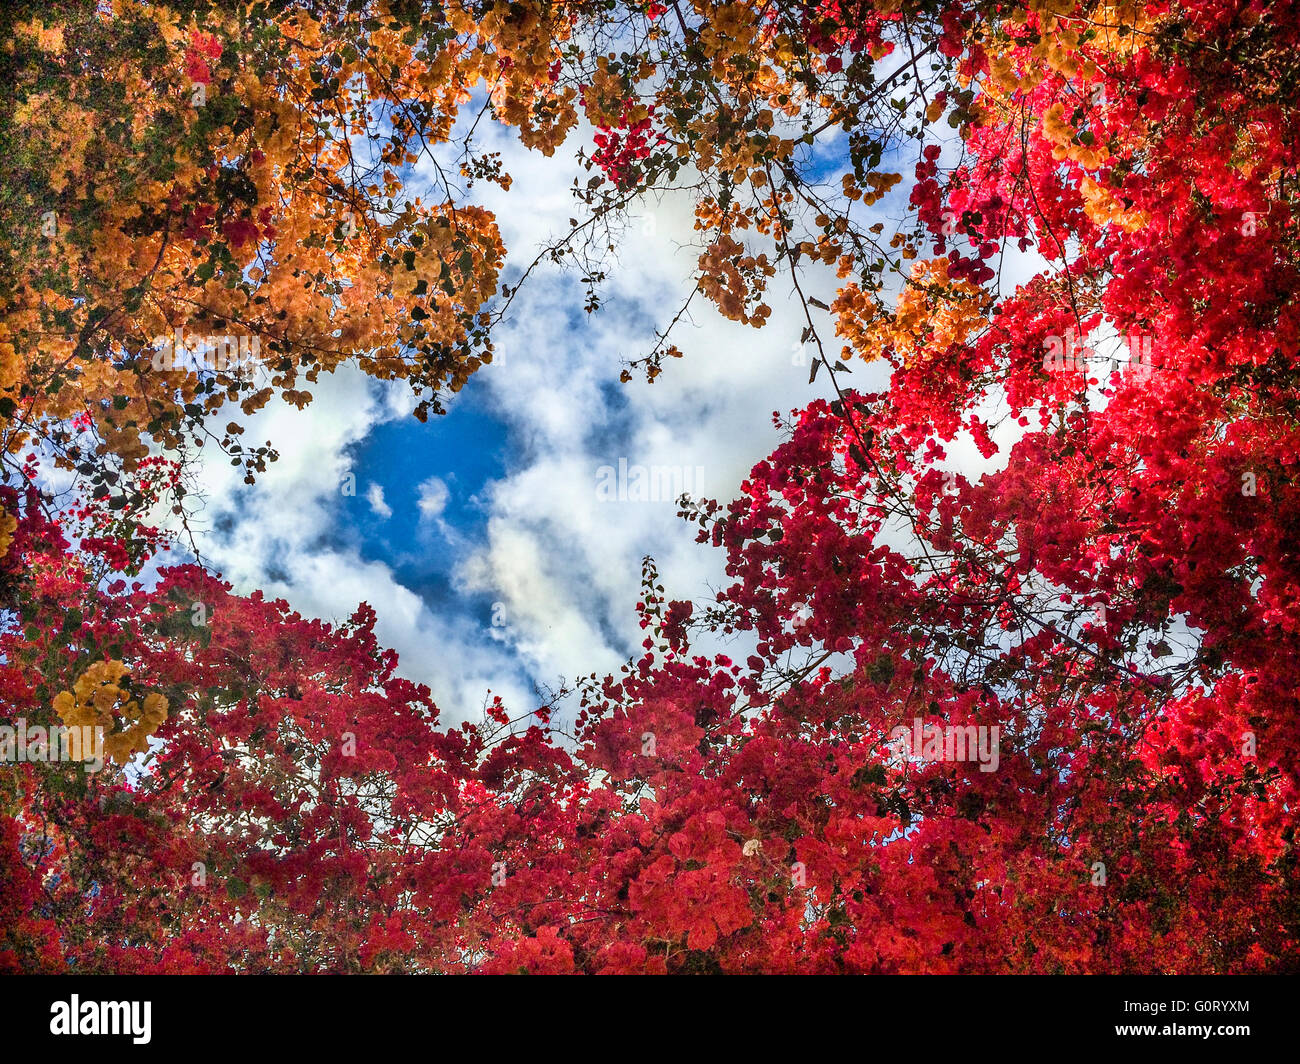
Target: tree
pixel 1103 623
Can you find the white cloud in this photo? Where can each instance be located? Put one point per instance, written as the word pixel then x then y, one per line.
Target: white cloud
pixel 284 535
pixel 560 566
pixel 375 496
pixel 431 498
pixel 565 565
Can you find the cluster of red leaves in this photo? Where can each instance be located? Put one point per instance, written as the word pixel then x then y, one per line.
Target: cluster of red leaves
pixel 619 149
pixel 203 49
pixel 833 24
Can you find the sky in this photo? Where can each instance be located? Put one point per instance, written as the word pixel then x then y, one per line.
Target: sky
pixel 483 539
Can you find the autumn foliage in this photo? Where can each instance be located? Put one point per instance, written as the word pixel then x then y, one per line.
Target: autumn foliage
pixel 1119 595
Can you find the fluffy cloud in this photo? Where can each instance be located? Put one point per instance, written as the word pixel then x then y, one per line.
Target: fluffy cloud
pixel 556 559
pixel 432 498
pixel 287 534
pixel 375 496
pixel 561 558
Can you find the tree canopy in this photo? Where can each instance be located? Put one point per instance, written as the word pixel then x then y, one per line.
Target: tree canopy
pixel 1118 603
